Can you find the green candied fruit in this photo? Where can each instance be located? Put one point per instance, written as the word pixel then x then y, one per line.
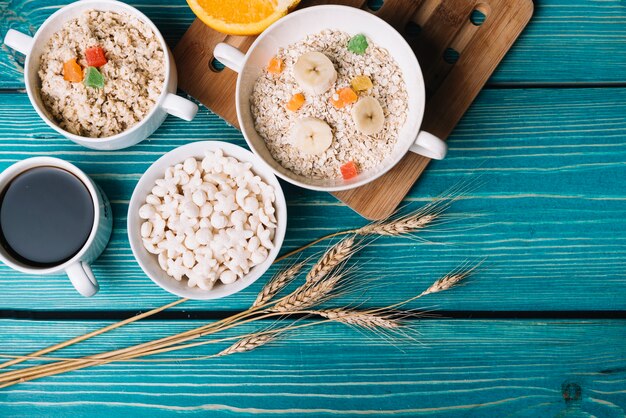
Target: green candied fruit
pixel 93 78
pixel 358 44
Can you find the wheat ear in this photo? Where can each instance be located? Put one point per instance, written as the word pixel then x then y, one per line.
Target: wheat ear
pixel 247 344
pixel 277 283
pixel 364 319
pixel 410 223
pixel 309 295
pixel 451 279
pixel 332 258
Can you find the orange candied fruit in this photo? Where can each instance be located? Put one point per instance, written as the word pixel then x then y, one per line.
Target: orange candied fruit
pixel 343 97
pixel 296 102
pixel 275 66
pixel 95 56
pixel 349 170
pixel 72 71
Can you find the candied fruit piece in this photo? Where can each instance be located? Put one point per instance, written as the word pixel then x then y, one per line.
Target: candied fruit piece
pixel 275 66
pixel 72 71
pixel 349 170
pixel 336 101
pixel 347 95
pixel 95 56
pixel 361 83
pixel 93 78
pixel 343 97
pixel 358 44
pixel 296 102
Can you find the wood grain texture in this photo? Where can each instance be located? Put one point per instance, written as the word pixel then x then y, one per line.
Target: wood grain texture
pixel 568 41
pixel 450 88
pixel 459 369
pixel 550 170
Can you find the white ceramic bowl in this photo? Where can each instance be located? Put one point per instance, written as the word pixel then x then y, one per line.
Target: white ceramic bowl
pixel 168 102
pixel 149 263
pixel 310 20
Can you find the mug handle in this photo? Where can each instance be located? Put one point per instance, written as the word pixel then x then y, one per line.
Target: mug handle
pixel 82 278
pixel 19 41
pixel 180 107
pixel 429 146
pixel 229 56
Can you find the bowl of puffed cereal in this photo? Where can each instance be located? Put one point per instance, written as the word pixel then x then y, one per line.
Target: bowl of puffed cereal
pixel 206 220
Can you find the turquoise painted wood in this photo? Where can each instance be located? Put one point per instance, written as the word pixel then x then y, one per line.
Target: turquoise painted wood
pixel 545 147
pixel 568 41
pixel 550 169
pixel 459 369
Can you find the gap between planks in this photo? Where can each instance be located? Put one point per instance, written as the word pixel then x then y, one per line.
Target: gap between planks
pixel 179 315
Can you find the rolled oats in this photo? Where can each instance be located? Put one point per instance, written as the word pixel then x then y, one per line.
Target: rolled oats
pixel 133 76
pixel 273 122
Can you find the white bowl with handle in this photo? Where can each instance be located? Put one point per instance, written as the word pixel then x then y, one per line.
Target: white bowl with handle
pixel 33 47
pixel 311 20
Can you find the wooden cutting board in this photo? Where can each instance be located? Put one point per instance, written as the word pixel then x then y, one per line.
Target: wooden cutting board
pixel 458 44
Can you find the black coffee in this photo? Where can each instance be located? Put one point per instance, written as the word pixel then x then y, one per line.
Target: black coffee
pixel 46 216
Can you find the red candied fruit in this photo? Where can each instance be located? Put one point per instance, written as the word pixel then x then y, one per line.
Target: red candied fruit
pixel 349 170
pixel 95 56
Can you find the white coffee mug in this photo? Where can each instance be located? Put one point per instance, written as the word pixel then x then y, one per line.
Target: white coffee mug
pixel 168 102
pixel 78 267
pixel 311 20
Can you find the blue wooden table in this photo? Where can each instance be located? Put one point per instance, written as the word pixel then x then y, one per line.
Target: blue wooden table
pixel 546 315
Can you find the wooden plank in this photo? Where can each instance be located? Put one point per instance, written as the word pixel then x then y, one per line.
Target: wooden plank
pixel 568 41
pixel 551 187
pixel 459 369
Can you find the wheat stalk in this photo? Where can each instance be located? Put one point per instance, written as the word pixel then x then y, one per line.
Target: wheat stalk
pixel 403 225
pixel 305 296
pixel 373 319
pixel 84 337
pixel 451 279
pixel 433 209
pixel 332 258
pixel 320 286
pixel 247 344
pixel 277 283
pixel 364 319
pixel 309 294
pixel 445 283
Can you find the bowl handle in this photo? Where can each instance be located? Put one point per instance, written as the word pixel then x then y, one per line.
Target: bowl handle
pixel 180 107
pixel 229 56
pixel 18 41
pixel 429 146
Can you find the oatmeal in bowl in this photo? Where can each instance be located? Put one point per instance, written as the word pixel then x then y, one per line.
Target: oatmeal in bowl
pixel 330 104
pixel 100 73
pixel 335 124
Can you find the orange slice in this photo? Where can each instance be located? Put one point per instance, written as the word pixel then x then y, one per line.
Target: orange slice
pixel 235 17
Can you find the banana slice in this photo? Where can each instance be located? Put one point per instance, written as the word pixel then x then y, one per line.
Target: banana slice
pixel 314 73
pixel 311 135
pixel 368 116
